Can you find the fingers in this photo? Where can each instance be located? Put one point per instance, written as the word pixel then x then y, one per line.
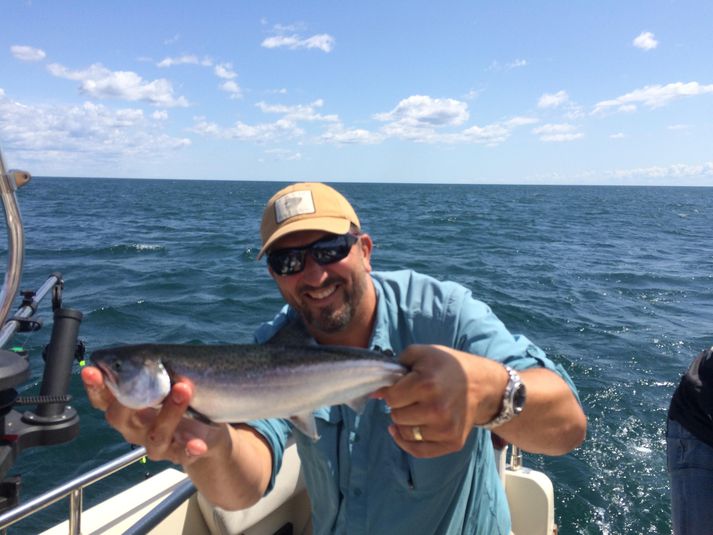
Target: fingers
pixel 406 391
pixel 404 438
pixel 160 437
pixel 99 395
pixel 429 405
pixel 164 432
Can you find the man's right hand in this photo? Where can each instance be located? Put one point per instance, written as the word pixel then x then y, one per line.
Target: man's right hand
pixel 165 433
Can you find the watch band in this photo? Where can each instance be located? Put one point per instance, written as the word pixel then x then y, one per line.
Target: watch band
pixel 513 400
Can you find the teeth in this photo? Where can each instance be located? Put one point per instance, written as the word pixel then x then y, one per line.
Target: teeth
pixel 323 294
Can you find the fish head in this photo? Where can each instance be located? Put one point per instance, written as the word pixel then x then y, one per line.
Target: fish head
pixel 134 375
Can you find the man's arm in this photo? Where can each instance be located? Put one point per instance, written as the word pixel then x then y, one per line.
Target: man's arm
pixel 448 392
pixel 231 466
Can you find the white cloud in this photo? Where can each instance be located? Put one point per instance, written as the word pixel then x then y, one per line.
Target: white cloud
pixel 645 41
pixel 492 134
pixel 653 96
pixel 27 53
pixel 521 121
pixel 299 112
pixel 515 64
pixel 45 135
pixel 99 82
pixel 357 136
pixel 188 59
pixel 225 71
pixel 283 155
pixel 676 171
pixel 324 42
pixel 678 127
pixel 231 87
pixel 618 135
pixel 557 132
pixel 172 40
pixel 160 115
pixel 264 132
pixel 180 60
pixel 424 111
pixel 553 100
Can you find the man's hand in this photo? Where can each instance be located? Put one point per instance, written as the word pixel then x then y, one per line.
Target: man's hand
pixel 435 406
pixel 165 433
pixel 230 465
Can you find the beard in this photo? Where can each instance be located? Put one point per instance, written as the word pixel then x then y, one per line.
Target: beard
pixel 335 318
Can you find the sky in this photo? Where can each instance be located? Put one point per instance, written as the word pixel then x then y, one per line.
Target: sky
pixel 478 91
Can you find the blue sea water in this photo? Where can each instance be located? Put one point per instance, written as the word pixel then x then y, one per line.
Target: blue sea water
pixel 614 283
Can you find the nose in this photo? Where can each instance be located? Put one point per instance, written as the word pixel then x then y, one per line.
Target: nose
pixel 313 274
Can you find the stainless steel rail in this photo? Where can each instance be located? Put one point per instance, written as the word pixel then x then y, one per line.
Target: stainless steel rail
pixel 73 489
pixel 15 241
pixel 9 328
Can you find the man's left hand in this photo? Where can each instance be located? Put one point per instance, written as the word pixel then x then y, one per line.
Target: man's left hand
pixel 435 406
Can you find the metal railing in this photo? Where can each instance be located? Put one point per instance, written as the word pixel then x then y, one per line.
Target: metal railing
pixel 9 181
pixel 73 489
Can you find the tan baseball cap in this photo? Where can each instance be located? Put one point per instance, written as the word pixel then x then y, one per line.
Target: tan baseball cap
pixel 305 206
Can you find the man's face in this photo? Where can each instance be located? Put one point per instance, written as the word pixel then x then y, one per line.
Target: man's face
pixel 328 297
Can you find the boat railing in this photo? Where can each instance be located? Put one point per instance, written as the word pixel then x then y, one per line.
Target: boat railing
pixel 74 489
pixel 9 182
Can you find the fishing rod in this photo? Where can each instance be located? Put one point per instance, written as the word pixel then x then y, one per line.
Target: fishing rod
pixel 53 420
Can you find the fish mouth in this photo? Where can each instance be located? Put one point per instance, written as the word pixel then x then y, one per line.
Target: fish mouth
pixel 109 375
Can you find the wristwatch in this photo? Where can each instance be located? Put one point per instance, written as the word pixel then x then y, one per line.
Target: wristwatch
pixel 513 400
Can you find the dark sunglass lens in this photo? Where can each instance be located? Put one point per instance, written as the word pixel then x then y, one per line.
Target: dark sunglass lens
pixel 286 262
pixel 332 250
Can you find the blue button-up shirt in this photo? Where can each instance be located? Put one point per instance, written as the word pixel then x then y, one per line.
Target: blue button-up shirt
pixel 359 481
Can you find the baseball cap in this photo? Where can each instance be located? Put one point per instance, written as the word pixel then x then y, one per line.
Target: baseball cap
pixel 305 206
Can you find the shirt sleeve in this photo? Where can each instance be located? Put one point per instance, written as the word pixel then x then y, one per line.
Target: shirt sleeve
pixel 480 331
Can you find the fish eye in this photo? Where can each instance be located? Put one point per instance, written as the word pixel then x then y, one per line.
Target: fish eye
pixel 116 365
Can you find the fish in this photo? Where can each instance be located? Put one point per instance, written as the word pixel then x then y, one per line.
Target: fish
pixel 241 382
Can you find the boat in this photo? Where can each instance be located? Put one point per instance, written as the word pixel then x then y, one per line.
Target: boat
pixel 165 503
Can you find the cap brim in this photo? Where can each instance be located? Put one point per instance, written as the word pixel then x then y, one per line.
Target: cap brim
pixel 333 225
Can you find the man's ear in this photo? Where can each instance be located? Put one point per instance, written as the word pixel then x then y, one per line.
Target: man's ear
pixel 366 246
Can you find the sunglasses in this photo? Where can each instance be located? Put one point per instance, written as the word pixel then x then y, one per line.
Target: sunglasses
pixel 327 250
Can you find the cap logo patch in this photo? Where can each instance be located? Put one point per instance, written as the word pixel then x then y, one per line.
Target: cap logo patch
pixel 294 204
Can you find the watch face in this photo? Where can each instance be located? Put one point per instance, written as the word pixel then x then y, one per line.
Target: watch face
pixel 518 399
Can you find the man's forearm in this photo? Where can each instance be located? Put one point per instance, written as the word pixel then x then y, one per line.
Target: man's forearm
pixel 552 421
pixel 236 471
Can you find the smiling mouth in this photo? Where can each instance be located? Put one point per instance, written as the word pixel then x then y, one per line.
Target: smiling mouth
pixel 323 293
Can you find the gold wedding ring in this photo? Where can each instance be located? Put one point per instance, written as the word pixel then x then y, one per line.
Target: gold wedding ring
pixel 416 432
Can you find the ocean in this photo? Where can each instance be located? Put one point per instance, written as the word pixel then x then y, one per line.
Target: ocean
pixel 614 283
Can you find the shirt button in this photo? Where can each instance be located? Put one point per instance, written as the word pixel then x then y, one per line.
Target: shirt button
pixel 357 492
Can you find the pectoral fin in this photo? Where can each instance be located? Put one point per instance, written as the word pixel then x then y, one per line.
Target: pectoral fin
pixel 358 404
pixel 306 424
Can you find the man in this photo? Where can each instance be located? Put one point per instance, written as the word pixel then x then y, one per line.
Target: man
pixel 689 444
pixel 419 458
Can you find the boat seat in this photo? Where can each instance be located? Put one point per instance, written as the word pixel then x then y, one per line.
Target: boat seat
pixel 288 503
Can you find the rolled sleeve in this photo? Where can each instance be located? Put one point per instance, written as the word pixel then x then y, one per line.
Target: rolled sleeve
pixel 482 333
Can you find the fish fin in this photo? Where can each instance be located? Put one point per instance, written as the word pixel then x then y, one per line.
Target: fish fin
pixel 306 424
pixel 192 413
pixel 358 404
